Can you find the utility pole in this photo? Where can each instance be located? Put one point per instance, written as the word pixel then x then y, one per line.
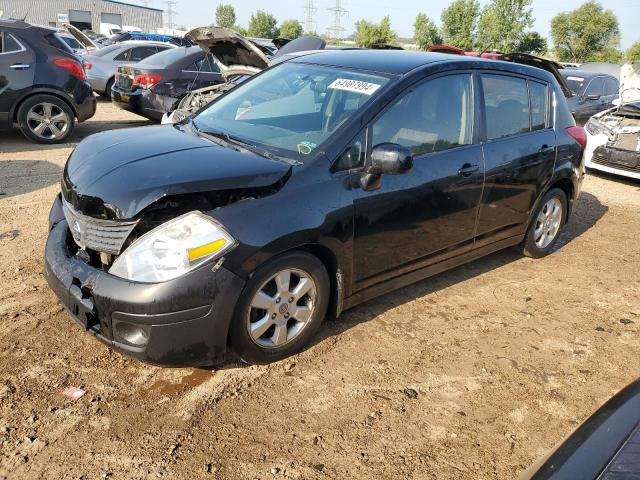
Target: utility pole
pixel 310 10
pixel 170 13
pixel 338 11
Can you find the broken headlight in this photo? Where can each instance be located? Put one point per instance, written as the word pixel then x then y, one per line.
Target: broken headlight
pixel 594 127
pixel 173 249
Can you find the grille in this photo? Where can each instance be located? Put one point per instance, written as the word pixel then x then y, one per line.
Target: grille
pixel 612 160
pixel 107 236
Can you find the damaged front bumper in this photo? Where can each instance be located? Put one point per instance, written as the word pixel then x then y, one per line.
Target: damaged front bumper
pixel 181 322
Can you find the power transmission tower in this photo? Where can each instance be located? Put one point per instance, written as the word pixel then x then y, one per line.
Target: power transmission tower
pixel 310 10
pixel 170 13
pixel 338 11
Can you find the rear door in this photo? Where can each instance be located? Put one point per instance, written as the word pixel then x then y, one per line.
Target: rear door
pixel 593 100
pixel 17 69
pixel 519 153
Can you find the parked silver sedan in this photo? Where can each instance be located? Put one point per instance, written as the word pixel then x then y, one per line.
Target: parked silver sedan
pixel 101 65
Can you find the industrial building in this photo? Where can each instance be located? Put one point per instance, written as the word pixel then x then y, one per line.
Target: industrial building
pixel 83 14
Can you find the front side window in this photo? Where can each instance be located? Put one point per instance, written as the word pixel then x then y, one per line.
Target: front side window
pixel 291 107
pixel 435 116
pixel 595 88
pixel 506 105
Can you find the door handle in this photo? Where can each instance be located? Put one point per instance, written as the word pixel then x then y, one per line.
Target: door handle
pixel 545 149
pixel 467 170
pixel 19 66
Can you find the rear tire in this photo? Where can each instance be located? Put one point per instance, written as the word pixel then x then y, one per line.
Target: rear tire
pixel 280 309
pixel 547 224
pixel 46 119
pixel 107 90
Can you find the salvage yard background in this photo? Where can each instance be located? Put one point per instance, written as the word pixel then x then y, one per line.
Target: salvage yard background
pixel 472 374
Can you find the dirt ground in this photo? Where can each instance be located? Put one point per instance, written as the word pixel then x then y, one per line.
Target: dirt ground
pixel 472 374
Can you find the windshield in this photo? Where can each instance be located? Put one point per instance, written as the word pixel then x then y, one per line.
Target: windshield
pixel 103 51
pixel 291 107
pixel 574 83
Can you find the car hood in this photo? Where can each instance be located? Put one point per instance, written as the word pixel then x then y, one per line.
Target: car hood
pixel 85 41
pixel 236 55
pixel 118 174
pixel 630 83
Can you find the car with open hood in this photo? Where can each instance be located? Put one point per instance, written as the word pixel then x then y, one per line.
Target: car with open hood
pixel 613 136
pixel 311 187
pixel 238 58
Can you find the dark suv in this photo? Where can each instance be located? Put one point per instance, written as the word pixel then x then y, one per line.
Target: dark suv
pixel 315 185
pixel 43 87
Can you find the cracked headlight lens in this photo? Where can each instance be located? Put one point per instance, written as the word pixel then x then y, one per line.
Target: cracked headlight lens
pixel 173 249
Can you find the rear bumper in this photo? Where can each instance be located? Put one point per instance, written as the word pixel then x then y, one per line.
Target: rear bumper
pixel 182 322
pixel 87 108
pixel 143 102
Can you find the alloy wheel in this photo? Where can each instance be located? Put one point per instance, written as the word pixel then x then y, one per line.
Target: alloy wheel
pixel 48 121
pixel 548 223
pixel 281 308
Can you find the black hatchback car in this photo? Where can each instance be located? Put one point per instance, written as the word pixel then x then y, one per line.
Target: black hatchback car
pixel 156 85
pixel 43 87
pixel 313 186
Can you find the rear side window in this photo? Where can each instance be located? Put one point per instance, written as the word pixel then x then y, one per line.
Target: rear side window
pixel 205 64
pixel 539 105
pixel 506 102
pixel 124 56
pixel 168 57
pixel 434 117
pixel 8 43
pixel 140 53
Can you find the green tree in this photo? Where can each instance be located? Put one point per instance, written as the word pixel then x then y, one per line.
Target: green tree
pixel 368 33
pixel 587 33
pixel 425 32
pixel 459 23
pixel 262 25
pixel 633 53
pixel 503 23
pixel 533 42
pixel 291 29
pixel 225 16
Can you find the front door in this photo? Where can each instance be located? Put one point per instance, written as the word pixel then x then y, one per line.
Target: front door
pixel 16 72
pixel 430 212
pixel 519 153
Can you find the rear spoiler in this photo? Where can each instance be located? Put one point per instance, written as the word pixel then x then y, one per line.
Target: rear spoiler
pixel 539 62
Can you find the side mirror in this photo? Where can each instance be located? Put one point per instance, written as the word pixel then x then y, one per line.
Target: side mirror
pixel 390 159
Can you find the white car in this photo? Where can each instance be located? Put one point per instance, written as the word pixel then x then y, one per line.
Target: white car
pixel 613 136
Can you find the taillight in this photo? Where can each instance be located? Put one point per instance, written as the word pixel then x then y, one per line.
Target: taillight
pixel 86 65
pixel 146 80
pixel 72 66
pixel 579 135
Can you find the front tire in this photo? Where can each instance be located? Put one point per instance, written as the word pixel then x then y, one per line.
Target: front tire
pixel 46 119
pixel 547 224
pixel 280 309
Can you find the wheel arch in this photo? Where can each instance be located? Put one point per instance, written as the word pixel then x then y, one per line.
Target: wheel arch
pixel 13 115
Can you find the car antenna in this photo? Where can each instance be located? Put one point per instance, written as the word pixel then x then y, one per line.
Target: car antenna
pixel 24 19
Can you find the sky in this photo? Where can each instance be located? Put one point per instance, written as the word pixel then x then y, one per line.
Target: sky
pixel 198 12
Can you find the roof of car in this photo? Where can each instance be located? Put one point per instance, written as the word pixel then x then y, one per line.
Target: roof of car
pixel 575 72
pixel 142 43
pixel 400 62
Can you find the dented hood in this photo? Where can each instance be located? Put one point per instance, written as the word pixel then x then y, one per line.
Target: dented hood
pixel 630 83
pixel 235 54
pixel 117 174
pixel 85 41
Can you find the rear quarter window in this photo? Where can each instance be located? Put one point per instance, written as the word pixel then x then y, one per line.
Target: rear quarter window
pixel 8 43
pixel 539 94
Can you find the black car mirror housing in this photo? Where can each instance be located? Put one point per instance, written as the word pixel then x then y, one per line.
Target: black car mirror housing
pixel 390 159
